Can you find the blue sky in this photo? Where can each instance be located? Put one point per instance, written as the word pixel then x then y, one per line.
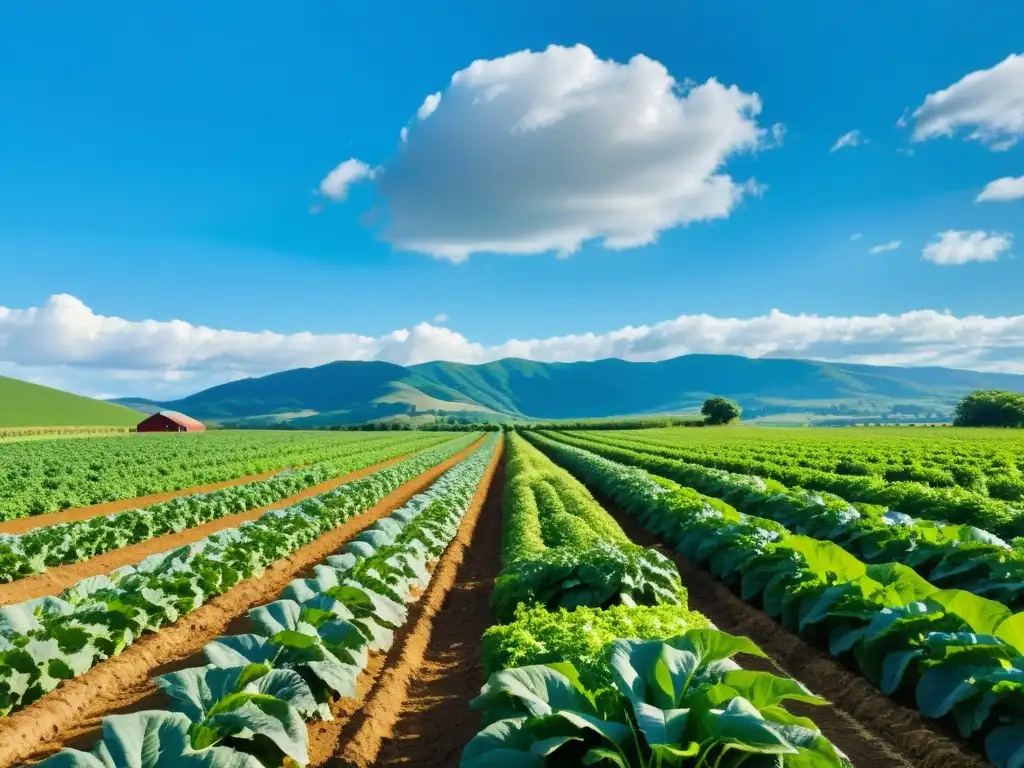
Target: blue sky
pixel 160 162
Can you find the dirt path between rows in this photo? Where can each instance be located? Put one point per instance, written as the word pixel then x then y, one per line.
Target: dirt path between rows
pixel 354 737
pixel 426 721
pixel 72 714
pixel 872 729
pixel 55 580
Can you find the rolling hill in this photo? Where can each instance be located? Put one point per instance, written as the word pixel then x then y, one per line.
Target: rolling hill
pixel 348 392
pixel 32 405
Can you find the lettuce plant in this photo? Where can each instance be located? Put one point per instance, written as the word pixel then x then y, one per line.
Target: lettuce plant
pixel 681 702
pixel 562 549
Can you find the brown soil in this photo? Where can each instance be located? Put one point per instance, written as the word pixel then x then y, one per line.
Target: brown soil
pixel 419 713
pixel 71 715
pixel 57 579
pixel 872 729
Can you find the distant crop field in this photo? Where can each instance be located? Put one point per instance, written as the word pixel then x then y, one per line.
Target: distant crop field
pixel 39 476
pixel 986 461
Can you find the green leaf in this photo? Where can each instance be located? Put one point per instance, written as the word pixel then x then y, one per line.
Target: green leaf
pixel 902 580
pixel 595 755
pixel 535 690
pixel 763 689
pixel 982 615
pixel 240 650
pixel 826 557
pixel 894 667
pixel 502 744
pixel 1011 630
pixel 713 644
pixel 661 726
pixel 196 690
pixel 742 727
pixel 545 747
pixel 289 686
pixel 22 618
pixel 275 617
pixel 944 686
pixel 73 758
pixel 1005 746
pixel 245 715
pixel 607 729
pixel 161 740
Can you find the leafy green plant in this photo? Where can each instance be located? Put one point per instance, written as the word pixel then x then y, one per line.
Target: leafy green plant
pixel 954 556
pixel 46 641
pixel 681 702
pixel 65 543
pixel 583 636
pixel 561 549
pixel 40 476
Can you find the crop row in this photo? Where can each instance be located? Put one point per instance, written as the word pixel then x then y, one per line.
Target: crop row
pixel 955 654
pixel 610 681
pixel 989 462
pixel 39 476
pixel 955 556
pixel 561 549
pixel 949 505
pixel 50 639
pixel 249 705
pixel 995 501
pixel 64 543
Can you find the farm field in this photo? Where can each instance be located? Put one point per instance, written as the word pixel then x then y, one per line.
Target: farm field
pixel 927 613
pixel 538 598
pixel 962 476
pixel 42 476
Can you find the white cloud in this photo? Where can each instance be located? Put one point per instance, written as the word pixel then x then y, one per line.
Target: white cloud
pixel 856 236
pixel 428 106
pixel 335 185
pixel 440 318
pixel 892 245
pixel 1002 190
pixel 849 139
pixel 989 101
pixel 542 151
pixel 959 247
pixel 64 343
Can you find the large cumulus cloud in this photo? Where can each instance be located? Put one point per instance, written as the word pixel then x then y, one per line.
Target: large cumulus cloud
pixel 541 151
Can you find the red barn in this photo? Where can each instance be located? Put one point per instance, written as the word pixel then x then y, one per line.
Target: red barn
pixel 169 421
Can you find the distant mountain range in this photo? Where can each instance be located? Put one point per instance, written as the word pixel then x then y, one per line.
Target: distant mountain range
pixel 353 392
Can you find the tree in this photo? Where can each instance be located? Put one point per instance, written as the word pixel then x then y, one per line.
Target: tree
pixel 990 408
pixel 720 410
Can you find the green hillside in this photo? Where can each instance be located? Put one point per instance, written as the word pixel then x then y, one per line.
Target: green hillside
pixel 349 392
pixel 32 405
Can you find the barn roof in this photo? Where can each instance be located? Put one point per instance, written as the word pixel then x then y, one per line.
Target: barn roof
pixel 180 419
